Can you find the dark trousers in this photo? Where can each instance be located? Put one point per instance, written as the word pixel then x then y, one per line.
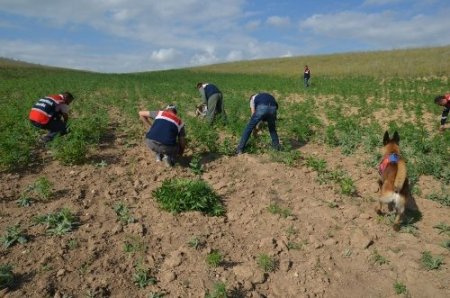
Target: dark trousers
pixel 54 126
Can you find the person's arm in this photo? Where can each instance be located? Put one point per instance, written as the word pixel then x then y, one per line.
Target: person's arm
pixel 252 105
pixel 444 116
pixel 203 95
pixel 145 117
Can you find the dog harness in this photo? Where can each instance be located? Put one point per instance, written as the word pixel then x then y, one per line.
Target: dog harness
pixel 388 158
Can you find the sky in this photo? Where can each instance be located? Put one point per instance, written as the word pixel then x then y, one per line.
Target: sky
pixel 121 36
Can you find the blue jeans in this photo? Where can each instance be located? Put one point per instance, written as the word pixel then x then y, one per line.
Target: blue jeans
pixel 262 113
pixel 306 81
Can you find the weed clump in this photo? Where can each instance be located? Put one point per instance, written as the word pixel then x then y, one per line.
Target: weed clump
pixel 13 234
pixel 181 195
pixel 430 262
pixel 6 276
pixel 267 263
pixel 219 291
pixel 58 223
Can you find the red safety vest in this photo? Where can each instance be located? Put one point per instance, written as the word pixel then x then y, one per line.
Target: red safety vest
pixel 45 108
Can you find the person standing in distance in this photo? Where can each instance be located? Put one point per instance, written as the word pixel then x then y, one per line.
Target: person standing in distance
pixel 306 76
pixel 213 99
pixel 264 108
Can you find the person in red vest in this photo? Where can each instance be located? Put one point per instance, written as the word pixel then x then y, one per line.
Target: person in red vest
pixel 51 113
pixel 443 100
pixel 166 136
pixel 306 76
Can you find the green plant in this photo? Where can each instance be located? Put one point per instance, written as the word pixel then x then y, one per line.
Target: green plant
pixel 134 245
pixel 180 195
pixel 317 164
pixel 123 213
pixel 267 263
pixel 219 291
pixel 157 295
pixel 430 262
pixel 214 258
pixel 6 276
pixel 13 234
pixel 443 228
pixel 73 244
pixel 43 188
pixel 446 244
pixel 295 245
pixel 141 277
pixel 400 288
pixel 196 242
pixel 196 165
pixel 58 223
pixel 379 259
pixel 275 208
pixel 443 199
pixel 24 201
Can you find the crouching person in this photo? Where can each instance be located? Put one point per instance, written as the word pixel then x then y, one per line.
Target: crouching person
pixel 51 113
pixel 166 136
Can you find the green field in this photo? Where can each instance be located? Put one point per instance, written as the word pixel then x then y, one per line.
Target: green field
pixel 349 110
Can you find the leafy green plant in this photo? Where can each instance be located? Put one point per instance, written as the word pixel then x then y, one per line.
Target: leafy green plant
pixel 443 199
pixel 275 208
pixel 196 165
pixel 430 262
pixel 317 164
pixel 73 244
pixel 123 213
pixel 24 202
pixel 379 259
pixel 399 288
pixel 267 263
pixel 214 258
pixel 196 242
pixel 58 223
pixel 142 278
pixel 134 245
pixel 219 291
pixel 13 235
pixel 446 244
pixel 6 276
pixel 443 228
pixel 181 195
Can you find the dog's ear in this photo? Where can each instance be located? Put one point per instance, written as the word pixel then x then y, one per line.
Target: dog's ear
pixel 386 137
pixel 396 137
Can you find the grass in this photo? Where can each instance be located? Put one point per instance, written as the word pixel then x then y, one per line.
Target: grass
pixel 196 165
pixel 41 189
pixel 182 195
pixel 58 223
pixel 266 263
pixel 196 242
pixel 12 236
pixel 133 245
pixel 24 202
pixel 431 262
pixel 446 244
pixel 214 258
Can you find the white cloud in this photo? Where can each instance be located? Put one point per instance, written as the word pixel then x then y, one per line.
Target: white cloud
pixel 380 29
pixel 253 25
pixel 278 21
pixel 235 55
pixel 164 55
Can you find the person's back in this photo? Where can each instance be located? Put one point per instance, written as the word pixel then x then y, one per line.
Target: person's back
pixel 213 99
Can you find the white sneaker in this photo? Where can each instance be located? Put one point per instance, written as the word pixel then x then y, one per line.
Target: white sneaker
pixel 158 157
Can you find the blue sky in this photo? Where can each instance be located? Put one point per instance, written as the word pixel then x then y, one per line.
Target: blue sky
pixel 141 35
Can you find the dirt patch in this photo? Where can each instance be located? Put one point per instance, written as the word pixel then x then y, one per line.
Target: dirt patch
pixel 321 249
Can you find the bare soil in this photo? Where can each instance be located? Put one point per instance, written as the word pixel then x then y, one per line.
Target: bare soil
pixel 326 248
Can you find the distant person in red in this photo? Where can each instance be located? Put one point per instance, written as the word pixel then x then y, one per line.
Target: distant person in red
pixel 443 100
pixel 51 113
pixel 306 76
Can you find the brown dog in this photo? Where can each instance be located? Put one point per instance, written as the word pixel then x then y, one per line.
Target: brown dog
pixel 393 179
